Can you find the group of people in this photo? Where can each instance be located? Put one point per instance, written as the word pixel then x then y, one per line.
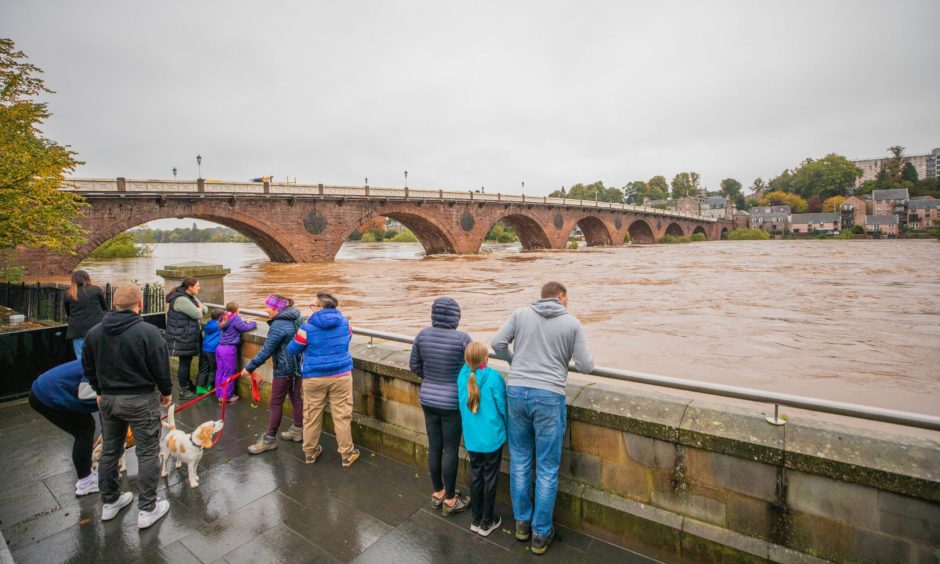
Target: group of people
pixel 123 361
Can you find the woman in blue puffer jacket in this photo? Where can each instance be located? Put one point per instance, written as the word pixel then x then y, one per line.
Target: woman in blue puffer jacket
pixel 437 357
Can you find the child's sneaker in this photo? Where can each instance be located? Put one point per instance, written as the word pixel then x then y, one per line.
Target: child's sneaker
pixel 110 510
pixel 233 399
pixel 295 434
pixel 462 504
pixel 202 390
pixel 264 444
pixel 487 528
pixel 87 485
pixel 474 527
pixel 351 457
pixel 187 394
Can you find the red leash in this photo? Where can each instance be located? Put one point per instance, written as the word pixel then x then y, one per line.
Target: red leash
pixel 198 399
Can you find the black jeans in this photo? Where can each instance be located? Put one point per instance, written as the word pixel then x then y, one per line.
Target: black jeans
pixel 484 475
pixel 142 413
pixel 444 431
pixel 182 375
pixel 206 378
pixel 80 425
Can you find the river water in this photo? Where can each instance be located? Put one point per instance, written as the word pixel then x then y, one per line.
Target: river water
pixel 855 321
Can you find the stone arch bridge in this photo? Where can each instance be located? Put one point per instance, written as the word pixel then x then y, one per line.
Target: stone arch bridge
pixel 309 223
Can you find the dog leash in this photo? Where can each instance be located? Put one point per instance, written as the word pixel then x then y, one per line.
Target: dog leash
pixel 198 399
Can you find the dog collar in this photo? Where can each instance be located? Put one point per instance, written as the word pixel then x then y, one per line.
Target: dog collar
pixel 194 442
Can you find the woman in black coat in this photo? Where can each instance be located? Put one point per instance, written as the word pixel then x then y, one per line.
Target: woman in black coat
pixel 85 306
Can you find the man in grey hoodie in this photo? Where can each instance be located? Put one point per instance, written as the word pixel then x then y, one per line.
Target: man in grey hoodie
pixel 545 339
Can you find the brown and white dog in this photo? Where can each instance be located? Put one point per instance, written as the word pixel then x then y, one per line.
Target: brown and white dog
pixel 99 449
pixel 184 447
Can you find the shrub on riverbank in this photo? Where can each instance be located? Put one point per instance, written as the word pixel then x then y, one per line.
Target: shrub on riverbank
pixel 672 239
pixel 698 237
pixel 121 246
pixel 745 234
pixel 626 237
pixel 405 236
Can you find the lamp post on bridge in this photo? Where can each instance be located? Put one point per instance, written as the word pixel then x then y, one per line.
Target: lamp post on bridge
pixel 523 189
pixel 174 173
pixel 199 164
pixel 406 179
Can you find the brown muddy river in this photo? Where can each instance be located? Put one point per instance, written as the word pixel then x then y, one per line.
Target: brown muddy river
pixel 855 321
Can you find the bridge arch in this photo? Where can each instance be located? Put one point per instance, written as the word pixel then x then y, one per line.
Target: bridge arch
pixel 724 233
pixel 699 229
pixel 595 231
pixel 434 238
pixel 261 233
pixel 675 230
pixel 641 232
pixel 531 233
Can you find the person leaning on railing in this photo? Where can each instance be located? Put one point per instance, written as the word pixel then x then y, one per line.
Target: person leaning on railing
pixel 183 331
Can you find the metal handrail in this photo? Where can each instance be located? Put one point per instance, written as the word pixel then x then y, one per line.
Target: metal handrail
pixel 919 420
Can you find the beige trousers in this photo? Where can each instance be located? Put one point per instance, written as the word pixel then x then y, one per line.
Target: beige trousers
pixel 338 391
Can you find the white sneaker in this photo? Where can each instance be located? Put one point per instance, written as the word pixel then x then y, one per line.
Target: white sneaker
pixel 110 510
pixel 87 485
pixel 147 518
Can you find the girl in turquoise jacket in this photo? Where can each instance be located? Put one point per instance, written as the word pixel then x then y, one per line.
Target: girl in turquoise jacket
pixel 481 394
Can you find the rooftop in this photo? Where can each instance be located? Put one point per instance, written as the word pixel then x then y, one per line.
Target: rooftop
pixel 881 220
pixel 815 217
pixel 893 194
pixel 266 508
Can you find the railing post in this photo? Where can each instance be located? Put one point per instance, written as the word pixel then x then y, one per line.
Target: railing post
pixel 440 194
pixel 267 187
pixel 406 192
pixel 776 420
pixel 200 185
pixel 121 184
pixel 320 189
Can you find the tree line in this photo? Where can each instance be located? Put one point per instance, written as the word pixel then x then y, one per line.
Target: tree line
pixel 148 236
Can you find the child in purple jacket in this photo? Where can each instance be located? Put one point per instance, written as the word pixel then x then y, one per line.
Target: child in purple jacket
pixel 226 354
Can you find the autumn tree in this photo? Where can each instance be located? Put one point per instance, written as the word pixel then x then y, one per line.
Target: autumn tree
pixel 833 204
pixel 33 212
pixel 814 204
pixel 780 198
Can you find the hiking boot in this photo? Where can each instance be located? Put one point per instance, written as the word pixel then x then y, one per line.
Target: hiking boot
pixel 487 528
pixel 540 544
pixel 311 458
pixel 523 530
pixel 295 434
pixel 188 394
pixel 148 518
pixel 110 510
pixel 462 504
pixel 351 457
pixel 264 443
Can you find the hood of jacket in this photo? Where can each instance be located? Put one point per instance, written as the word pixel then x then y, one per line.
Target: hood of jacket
pixel 445 313
pixel 116 322
pixel 328 318
pixel 289 313
pixel 549 308
pixel 176 293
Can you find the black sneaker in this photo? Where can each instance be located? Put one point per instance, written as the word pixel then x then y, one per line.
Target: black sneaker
pixel 188 394
pixel 540 544
pixel 523 530
pixel 487 528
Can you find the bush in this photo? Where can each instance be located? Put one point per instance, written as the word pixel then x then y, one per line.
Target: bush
pixel 120 246
pixel 698 237
pixel 858 230
pixel 390 234
pixel 745 234
pixel 406 236
pixel 354 236
pixel 368 237
pixel 626 237
pixel 573 245
pixel 672 239
pixel 844 235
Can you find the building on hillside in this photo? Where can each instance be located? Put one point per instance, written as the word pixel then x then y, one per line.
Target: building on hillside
pixel 772 219
pixel 716 206
pixel 924 213
pixel 882 225
pixel 926 166
pixel 741 218
pixel 891 202
pixel 804 223
pixel 689 204
pixel 854 209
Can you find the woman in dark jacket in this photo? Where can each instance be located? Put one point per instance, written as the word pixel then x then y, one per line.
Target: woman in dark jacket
pixel 183 332
pixel 85 306
pixel 283 324
pixel 437 357
pixel 55 396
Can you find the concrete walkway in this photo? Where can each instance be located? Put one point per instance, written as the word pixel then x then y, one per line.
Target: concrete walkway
pixel 266 508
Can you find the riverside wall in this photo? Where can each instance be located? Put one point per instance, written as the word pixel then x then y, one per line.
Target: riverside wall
pixel 690 480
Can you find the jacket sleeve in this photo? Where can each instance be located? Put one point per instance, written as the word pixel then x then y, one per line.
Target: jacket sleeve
pixel 88 367
pixel 68 306
pixel 101 301
pixel 187 308
pixel 244 326
pixel 583 361
pixel 498 388
pixel 416 363
pixel 271 345
pixel 502 338
pixel 298 344
pixel 158 359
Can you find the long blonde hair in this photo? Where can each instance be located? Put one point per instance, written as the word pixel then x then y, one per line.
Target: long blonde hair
pixel 475 356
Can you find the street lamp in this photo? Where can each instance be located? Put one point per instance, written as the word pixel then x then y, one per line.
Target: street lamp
pixel 523 188
pixel 199 164
pixel 367 181
pixel 406 179
pixel 174 172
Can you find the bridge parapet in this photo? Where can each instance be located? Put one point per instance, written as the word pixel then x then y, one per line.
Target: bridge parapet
pixel 102 185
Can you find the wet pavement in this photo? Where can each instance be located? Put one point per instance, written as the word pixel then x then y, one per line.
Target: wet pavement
pixel 266 508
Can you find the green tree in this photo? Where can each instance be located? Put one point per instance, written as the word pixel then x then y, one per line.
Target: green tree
pixel 831 175
pixel 634 192
pixel 657 188
pixel 596 191
pixel 909 172
pixel 682 185
pixel 696 180
pixel 33 212
pixel 730 188
pixel 120 246
pixel 758 185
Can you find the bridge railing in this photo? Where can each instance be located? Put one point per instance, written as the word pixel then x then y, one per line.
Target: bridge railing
pixel 870 413
pixel 218 187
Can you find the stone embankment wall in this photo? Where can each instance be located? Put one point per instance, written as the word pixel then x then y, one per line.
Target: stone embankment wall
pixel 685 480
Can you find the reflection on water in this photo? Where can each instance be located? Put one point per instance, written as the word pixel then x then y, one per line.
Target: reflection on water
pixel 854 321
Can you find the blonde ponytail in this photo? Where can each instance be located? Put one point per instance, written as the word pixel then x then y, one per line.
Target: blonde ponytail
pixel 475 356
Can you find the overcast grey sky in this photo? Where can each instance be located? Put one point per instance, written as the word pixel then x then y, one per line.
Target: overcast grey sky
pixel 470 94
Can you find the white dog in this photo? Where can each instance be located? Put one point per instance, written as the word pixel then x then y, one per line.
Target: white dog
pixel 186 448
pixel 96 457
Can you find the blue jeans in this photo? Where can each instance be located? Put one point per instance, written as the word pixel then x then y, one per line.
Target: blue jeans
pixel 78 344
pixel 536 427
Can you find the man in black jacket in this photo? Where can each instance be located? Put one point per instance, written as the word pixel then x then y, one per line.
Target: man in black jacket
pixel 124 359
